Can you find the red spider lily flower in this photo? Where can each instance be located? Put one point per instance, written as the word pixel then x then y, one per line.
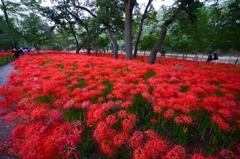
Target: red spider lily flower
pixel 140 154
pixel 154 147
pixel 122 114
pixel 127 125
pixel 119 139
pixel 99 132
pixel 225 112
pixel 111 120
pixel 220 122
pixel 172 154
pixel 168 113
pixel 126 104
pixel 154 121
pixel 136 139
pixel 98 114
pixel 110 96
pixel 132 118
pixel 145 95
pixel 38 114
pixel 186 119
pixel 156 108
pixel 84 104
pixel 198 156
pixel 181 150
pixel 108 148
pixel 238 148
pixel 211 157
pixel 151 134
pixel 227 154
pixel 55 116
pixel 178 120
pixel 17 131
pixel 67 147
pixel 100 99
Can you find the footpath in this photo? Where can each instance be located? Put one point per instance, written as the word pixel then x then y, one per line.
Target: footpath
pixel 5 129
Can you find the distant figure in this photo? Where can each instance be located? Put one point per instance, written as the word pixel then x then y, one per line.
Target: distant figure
pixel 209 57
pixel 215 57
pixel 20 51
pixel 15 52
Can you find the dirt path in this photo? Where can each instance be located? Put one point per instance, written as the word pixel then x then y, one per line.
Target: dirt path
pixel 5 129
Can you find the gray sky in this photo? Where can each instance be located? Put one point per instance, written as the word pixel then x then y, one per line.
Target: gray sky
pixel 156 3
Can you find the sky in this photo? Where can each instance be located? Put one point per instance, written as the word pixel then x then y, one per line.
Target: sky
pixel 156 3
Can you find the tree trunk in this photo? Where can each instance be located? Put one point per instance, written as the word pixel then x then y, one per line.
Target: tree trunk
pixel 115 47
pixel 144 16
pixel 78 49
pixel 158 45
pixel 128 6
pixel 88 51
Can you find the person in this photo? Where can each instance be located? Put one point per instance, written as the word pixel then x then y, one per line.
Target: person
pixel 215 58
pixel 20 51
pixel 15 52
pixel 209 57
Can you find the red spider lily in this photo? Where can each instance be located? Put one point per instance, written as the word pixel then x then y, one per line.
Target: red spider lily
pixel 186 119
pixel 153 120
pixel 40 95
pixel 108 148
pixel 180 150
pixel 151 134
pixel 172 154
pixel 227 154
pixel 127 125
pixel 198 156
pixel 126 104
pixel 119 139
pixel 220 122
pixel 136 139
pixel 156 108
pixel 168 114
pixel 111 120
pixel 146 95
pixel 122 114
pixel 140 154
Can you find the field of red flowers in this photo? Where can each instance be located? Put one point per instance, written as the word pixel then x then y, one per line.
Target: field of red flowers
pixel 78 106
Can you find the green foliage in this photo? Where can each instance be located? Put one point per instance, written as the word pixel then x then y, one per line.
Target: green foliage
pixel 149 74
pixel 43 99
pixel 147 42
pixel 5 59
pixel 37 32
pixel 142 108
pixel 74 114
pixel 81 84
pixel 184 88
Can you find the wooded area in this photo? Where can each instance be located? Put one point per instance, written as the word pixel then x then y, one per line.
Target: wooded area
pixel 187 26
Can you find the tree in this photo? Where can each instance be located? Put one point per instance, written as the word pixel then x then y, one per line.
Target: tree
pixel 144 16
pixel 128 6
pixel 107 15
pixel 36 31
pixel 9 9
pixel 148 42
pixel 163 30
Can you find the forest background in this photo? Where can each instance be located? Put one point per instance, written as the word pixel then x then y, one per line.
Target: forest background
pixel 186 26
